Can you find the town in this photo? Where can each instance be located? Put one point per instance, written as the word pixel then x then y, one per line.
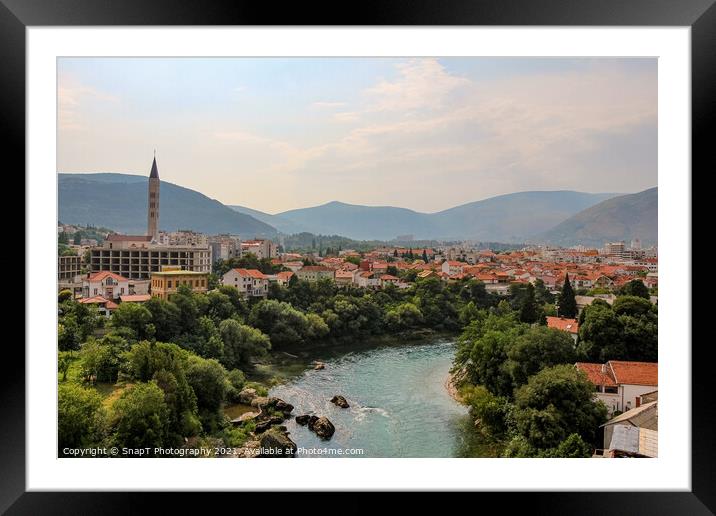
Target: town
pixel 546 286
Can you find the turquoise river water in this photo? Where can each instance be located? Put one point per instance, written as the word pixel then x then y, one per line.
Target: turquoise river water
pixel 399 404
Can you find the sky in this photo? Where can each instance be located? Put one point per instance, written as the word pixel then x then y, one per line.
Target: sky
pixel 428 134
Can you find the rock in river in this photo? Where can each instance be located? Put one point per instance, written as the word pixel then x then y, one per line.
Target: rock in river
pixel 340 401
pixel 323 428
pixel 275 442
pixel 263 426
pixel 303 420
pixel 319 365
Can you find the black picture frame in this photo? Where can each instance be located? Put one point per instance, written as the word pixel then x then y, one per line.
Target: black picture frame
pixel 700 15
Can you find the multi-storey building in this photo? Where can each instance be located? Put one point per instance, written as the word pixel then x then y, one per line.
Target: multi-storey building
pixel 166 282
pixel 186 238
pixel 250 282
pixel 225 247
pixel 260 248
pixel 135 257
pixel 68 267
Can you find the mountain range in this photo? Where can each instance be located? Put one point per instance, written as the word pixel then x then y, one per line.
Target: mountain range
pixel 617 219
pixel 557 217
pixel 119 201
pixel 506 218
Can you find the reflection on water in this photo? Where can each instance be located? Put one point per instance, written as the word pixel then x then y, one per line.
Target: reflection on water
pixel 399 406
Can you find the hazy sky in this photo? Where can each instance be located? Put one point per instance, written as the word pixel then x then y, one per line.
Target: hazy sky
pixel 422 133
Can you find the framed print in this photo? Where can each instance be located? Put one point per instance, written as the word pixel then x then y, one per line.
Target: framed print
pixel 423 251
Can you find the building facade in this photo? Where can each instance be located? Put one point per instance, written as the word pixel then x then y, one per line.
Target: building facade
pixel 68 267
pixel 249 282
pixel 620 384
pixel 105 284
pixel 315 273
pixel 135 257
pixel 166 282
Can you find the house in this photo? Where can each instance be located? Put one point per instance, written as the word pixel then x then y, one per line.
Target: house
pixel 315 273
pixel 344 278
pixel 633 433
pixel 105 284
pixel 387 279
pixel 167 281
pixel 620 384
pixel 104 306
pixel 249 282
pixel 571 326
pixel 367 279
pixel 379 267
pixel 451 267
pixel 284 277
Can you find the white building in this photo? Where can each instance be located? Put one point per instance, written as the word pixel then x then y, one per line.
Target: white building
pixel 452 267
pixel 105 284
pixel 620 384
pixel 250 282
pixel 260 248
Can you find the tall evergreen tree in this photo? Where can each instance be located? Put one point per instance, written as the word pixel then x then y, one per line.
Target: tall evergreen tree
pixel 425 255
pixel 567 302
pixel 529 311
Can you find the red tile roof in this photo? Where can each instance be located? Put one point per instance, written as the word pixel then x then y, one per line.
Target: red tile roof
pixel 135 298
pixel 595 374
pixel 316 268
pixel 99 300
pixel 635 373
pixel 560 323
pixel 114 237
pixel 251 273
pixel 101 275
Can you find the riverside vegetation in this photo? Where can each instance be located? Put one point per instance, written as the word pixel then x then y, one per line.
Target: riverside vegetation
pixel 160 374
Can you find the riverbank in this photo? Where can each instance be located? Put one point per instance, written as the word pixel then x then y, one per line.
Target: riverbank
pixel 452 389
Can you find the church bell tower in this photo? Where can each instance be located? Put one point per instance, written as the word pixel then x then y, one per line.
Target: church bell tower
pixel 153 208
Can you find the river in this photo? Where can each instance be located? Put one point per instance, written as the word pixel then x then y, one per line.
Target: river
pixel 399 406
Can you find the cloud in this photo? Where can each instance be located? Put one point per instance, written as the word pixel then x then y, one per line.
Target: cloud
pixel 421 84
pixel 73 99
pixel 328 105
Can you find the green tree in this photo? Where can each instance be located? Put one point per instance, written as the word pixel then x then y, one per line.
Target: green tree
pixel 64 295
pixel 601 334
pixel 209 380
pixel 63 238
pixel 140 417
pixel 166 318
pixel 529 310
pixel 567 303
pixel 100 359
pixel 241 344
pixel 136 317
pixel 405 316
pixel 490 412
pixel 542 294
pixel 556 402
pixel 536 349
pixel 637 288
pixel 80 418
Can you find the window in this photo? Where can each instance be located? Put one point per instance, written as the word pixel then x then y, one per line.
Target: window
pixel 611 389
pixel 169 284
